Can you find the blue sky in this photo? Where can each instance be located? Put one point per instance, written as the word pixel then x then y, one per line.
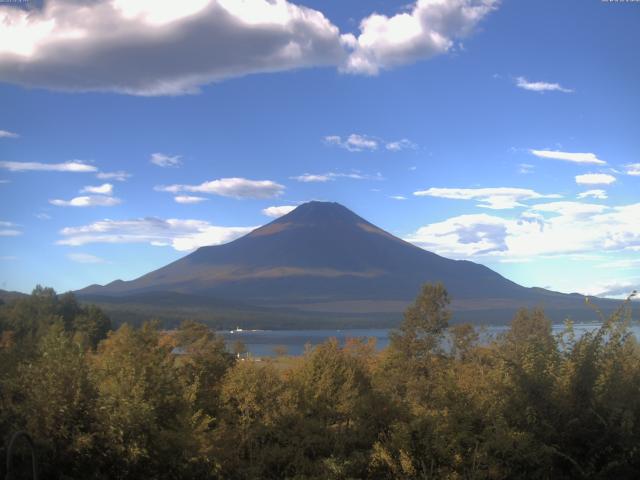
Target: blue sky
pixel 501 132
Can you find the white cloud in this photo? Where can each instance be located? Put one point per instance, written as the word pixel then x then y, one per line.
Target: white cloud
pixel 354 142
pixel 525 168
pixel 398 197
pixel 494 198
pixel 541 87
pixel 72 166
pixel 87 201
pixel 162 160
pixel 120 175
pixel 43 216
pixel 84 258
pixel 569 209
pixel 359 143
pixel 330 176
pixel 171 48
pixel 614 289
pixel 182 235
pixel 598 194
pixel 188 199
pixel 633 169
pixel 586 158
pixel 571 230
pixel 399 145
pixel 275 212
pixel 595 179
pixel 160 48
pixel 231 187
pixel 8 134
pixel 9 229
pixel 104 189
pixel 429 28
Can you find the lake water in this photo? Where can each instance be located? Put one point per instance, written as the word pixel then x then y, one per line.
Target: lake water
pixel 263 343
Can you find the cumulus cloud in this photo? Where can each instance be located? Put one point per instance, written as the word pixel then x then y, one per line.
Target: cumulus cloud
pixel 633 169
pixel 567 229
pixel 120 175
pixel 8 134
pixel 429 28
pixel 172 48
pixel 104 189
pixel 595 179
pixel 72 166
pixel 586 158
pixel 188 199
pixel 275 212
pixel 162 160
pixel 87 201
pixel 182 235
pixel 541 87
pixel 160 48
pixel 84 258
pixel 597 194
pixel 330 176
pixel 230 187
pixel 494 198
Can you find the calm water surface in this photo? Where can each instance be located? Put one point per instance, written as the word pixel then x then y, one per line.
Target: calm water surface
pixel 263 343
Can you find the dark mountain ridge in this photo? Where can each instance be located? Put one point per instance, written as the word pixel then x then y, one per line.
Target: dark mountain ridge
pixel 322 257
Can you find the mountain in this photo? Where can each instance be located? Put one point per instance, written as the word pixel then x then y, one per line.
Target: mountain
pixel 322 259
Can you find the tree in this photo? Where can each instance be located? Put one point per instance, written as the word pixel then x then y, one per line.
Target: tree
pixel 424 323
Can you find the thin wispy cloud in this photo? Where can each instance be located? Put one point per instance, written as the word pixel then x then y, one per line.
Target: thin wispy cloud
pixel 43 216
pixel 188 199
pixel 597 194
pixel 354 142
pixel 330 176
pixel 72 166
pixel 585 158
pixel 8 134
pixel 398 197
pixel 633 169
pixel 9 229
pixel 399 145
pixel 163 160
pixel 104 189
pixel 279 211
pixel 180 234
pixel 526 168
pixel 230 187
pixel 87 201
pixel 85 258
pixel 120 175
pixel 493 198
pixel 360 143
pixel 595 179
pixel 541 87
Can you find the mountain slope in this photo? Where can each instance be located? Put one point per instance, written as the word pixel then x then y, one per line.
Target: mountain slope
pixel 323 257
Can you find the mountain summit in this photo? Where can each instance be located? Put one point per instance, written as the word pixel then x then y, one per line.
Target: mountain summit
pixel 322 257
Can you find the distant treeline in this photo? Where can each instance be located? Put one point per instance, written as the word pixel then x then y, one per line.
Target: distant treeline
pixel 104 404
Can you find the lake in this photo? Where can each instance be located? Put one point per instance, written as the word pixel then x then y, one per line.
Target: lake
pixel 263 343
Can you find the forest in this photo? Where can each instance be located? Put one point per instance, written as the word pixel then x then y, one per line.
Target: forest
pixel 147 403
